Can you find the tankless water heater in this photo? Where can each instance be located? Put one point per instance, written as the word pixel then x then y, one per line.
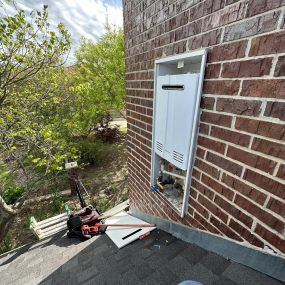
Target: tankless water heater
pixel 176 97
pixel 178 89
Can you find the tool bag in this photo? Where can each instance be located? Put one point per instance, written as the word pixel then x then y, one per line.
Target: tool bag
pixel 86 216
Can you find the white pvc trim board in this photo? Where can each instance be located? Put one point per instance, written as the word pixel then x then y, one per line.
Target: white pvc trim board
pixel 123 236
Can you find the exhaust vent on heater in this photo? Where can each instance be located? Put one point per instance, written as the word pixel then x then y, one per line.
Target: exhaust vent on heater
pixel 159 146
pixel 179 157
pixel 173 87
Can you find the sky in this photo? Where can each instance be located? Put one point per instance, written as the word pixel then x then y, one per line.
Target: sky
pixel 82 17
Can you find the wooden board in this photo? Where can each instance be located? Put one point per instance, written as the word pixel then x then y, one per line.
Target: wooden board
pixel 123 236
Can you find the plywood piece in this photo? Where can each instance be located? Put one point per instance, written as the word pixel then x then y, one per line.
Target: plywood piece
pixel 123 236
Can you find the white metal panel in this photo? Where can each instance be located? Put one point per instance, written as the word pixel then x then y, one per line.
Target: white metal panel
pixel 174 58
pixel 193 142
pixel 161 114
pixel 123 236
pixel 174 115
pixel 180 118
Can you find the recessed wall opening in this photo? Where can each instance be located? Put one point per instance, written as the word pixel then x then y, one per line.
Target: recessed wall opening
pixel 178 86
pixel 171 182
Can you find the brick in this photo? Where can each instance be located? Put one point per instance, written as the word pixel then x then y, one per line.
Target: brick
pixel 272 238
pixel 251 159
pixel 193 194
pixel 230 136
pixel 197 12
pixel 266 183
pixel 260 214
pixel 182 5
pixel 215 5
pixel 204 129
pixel 248 191
pixel 212 229
pixel 211 144
pixel 221 87
pixel 194 223
pixel 225 229
pixel 245 233
pixel 203 189
pixel 223 17
pixel 205 40
pixel 224 163
pixel 268 44
pixel 130 76
pixel 229 2
pixel 268 147
pixel 133 84
pixel 280 66
pixel 235 212
pixel 275 110
pixel 205 8
pixel 213 208
pixel 199 209
pixel 176 48
pixel 177 21
pixel 201 221
pixel 200 152
pixel 227 51
pixel 212 71
pixel 260 6
pixel 251 27
pixel 207 103
pixel 216 119
pixel 217 187
pixel 196 173
pixel 239 107
pixel 147 84
pixel 247 68
pixel 281 172
pixel 158 52
pixel 276 206
pixel 266 129
pixel 187 31
pixel 264 88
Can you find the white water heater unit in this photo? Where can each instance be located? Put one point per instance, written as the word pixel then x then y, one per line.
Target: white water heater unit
pixel 178 88
pixel 176 97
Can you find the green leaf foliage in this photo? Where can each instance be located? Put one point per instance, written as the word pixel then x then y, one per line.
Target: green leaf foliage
pixel 33 95
pixel 12 193
pixel 99 79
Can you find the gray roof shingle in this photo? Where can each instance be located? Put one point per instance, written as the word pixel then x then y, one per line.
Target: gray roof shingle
pixel 157 259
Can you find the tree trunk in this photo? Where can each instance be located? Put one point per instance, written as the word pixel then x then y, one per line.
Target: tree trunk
pixel 7 215
pixel 72 176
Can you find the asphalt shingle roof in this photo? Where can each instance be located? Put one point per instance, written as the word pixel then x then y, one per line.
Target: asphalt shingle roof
pixel 157 259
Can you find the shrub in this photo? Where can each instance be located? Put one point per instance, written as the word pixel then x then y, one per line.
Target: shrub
pixel 7 243
pixel 108 134
pixel 92 151
pixel 104 131
pixel 101 203
pixel 12 193
pixel 57 202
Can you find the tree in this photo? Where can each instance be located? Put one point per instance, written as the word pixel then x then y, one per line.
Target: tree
pixel 32 93
pixel 99 79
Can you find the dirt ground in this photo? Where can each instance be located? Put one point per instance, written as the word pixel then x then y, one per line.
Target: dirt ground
pixel 106 183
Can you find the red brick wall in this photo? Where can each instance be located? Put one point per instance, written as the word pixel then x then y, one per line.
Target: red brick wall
pixel 238 188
